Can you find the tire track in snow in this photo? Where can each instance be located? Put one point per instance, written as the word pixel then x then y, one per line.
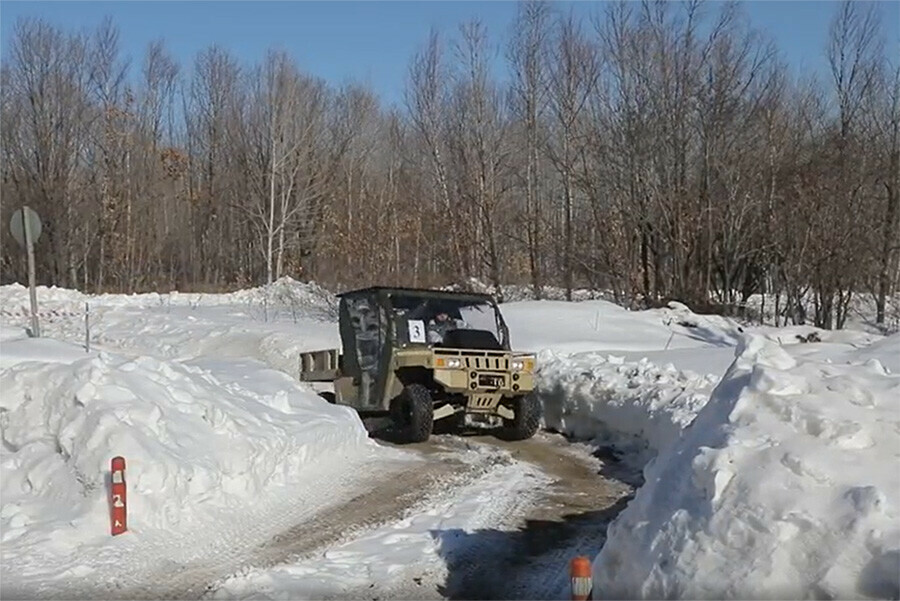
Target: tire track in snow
pixel 505 529
pixel 401 558
pixel 528 558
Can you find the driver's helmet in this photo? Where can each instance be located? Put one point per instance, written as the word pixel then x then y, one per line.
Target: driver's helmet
pixel 444 311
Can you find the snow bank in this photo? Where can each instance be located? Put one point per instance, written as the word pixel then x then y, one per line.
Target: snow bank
pixel 860 316
pixel 194 437
pixel 601 325
pixel 776 477
pixel 784 486
pixel 638 407
pixel 523 292
pixel 885 351
pixel 286 297
pixel 283 296
pixel 272 323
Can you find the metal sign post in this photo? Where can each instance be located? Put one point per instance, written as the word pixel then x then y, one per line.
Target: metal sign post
pixel 87 327
pixel 25 227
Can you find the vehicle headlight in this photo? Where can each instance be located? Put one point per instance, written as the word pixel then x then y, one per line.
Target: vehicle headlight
pixel 518 365
pixel 454 363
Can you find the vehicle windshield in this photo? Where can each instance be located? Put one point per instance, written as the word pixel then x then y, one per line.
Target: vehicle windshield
pixel 428 318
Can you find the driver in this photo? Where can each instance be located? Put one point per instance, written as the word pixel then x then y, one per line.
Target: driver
pixel 441 324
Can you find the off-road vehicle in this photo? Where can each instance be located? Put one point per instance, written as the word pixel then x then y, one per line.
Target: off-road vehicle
pixel 421 356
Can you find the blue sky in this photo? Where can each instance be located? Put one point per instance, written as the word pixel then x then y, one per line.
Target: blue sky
pixel 372 42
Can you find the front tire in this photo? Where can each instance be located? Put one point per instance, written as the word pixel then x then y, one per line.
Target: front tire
pixel 418 411
pixel 526 421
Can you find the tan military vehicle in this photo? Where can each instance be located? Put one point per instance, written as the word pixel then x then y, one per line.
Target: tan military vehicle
pixel 421 356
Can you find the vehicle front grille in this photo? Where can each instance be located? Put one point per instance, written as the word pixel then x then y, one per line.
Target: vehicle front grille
pixel 496 363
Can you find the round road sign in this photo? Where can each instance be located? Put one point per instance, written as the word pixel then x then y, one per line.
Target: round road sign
pixel 17 225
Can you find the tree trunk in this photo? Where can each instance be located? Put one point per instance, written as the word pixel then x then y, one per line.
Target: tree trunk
pixel 270 229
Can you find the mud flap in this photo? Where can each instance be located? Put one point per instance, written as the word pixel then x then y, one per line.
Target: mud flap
pixel 445 410
pixel 505 412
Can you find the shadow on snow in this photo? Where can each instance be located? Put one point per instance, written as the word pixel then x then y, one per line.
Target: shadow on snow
pixel 529 563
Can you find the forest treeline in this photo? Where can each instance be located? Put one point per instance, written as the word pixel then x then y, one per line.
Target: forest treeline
pixel 658 150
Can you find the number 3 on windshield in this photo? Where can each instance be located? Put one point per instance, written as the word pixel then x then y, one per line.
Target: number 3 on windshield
pixel 416 330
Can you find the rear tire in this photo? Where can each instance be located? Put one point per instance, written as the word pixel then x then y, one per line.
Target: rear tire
pixel 418 411
pixel 527 420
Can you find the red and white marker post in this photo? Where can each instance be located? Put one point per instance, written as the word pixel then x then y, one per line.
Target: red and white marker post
pixel 117 519
pixel 580 572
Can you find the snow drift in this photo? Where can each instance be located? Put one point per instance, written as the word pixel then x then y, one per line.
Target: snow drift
pixel 784 485
pixel 195 436
pixel 272 324
pixel 593 325
pixel 280 297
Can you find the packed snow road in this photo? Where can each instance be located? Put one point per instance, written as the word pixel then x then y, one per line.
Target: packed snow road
pixel 527 556
pixel 492 520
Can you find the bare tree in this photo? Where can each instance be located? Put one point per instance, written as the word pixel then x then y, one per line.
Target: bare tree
pixel 426 102
pixel 480 150
pixel 885 123
pixel 288 123
pixel 45 125
pixel 213 114
pixel 854 50
pixel 527 57
pixel 672 156
pixel 155 193
pixel 573 72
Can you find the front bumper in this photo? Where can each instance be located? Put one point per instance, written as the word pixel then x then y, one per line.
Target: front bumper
pixel 476 381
